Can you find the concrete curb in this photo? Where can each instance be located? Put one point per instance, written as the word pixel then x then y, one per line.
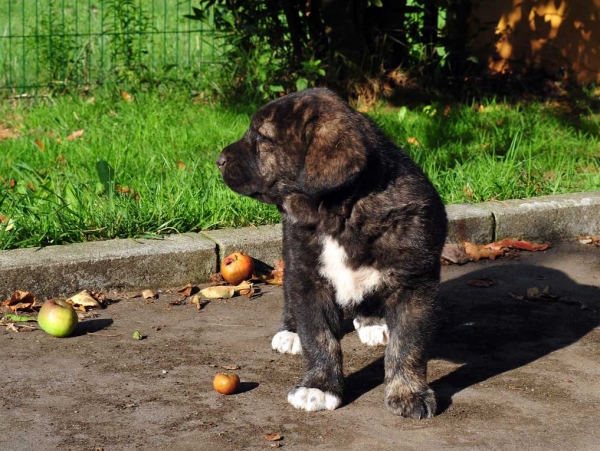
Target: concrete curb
pixel 178 259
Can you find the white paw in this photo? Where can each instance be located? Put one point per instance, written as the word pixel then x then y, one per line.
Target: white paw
pixel 376 335
pixel 313 399
pixel 286 342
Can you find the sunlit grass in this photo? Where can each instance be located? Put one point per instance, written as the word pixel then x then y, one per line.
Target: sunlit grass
pixel 162 148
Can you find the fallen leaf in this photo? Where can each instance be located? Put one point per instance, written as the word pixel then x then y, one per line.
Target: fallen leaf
pixel 217 279
pixel 40 145
pixel 126 96
pixel 544 295
pixel 248 292
pixel 149 294
pixel 83 301
pixel 181 165
pixel 137 335
pixel 21 300
pixel 8 133
pixel 18 318
pixel 75 135
pixel 455 253
pixel 227 292
pixel 30 186
pixel 186 291
pixel 279 265
pixel 218 292
pixel 196 300
pixel 275 278
pixel 583 240
pixel 511 243
pixel 412 140
pixel 481 283
pixel 273 437
pixel 9 223
pixel 478 251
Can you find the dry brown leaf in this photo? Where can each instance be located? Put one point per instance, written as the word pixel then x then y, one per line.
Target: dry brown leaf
pixel 30 186
pixel 583 240
pixel 481 283
pixel 196 300
pixel 181 165
pixel 412 140
pixel 187 290
pixel 40 145
pixel 478 251
pixel 75 135
pixel 279 265
pixel 273 437
pixel 126 96
pixel 248 292
pixel 21 300
pixel 217 279
pixel 9 223
pixel 511 243
pixel 149 294
pixel 275 278
pixel 8 133
pixel 455 253
pixel 218 292
pixel 227 292
pixel 83 301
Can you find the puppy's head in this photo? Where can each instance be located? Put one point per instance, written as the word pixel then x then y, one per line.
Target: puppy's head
pixel 308 143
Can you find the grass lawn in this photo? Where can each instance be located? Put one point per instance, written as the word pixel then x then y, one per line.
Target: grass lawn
pixel 146 167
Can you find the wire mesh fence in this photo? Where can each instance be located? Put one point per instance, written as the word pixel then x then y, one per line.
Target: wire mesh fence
pixel 58 44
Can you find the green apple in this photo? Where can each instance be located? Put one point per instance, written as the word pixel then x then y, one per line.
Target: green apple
pixel 58 318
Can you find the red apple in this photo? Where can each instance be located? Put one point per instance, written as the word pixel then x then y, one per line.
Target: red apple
pixel 237 267
pixel 58 318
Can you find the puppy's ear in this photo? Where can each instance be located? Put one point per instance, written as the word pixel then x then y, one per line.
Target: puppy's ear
pixel 335 154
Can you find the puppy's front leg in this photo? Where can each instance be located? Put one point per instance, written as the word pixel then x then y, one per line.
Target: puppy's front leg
pixel 318 324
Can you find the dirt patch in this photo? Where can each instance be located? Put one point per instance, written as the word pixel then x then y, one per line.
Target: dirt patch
pixel 508 374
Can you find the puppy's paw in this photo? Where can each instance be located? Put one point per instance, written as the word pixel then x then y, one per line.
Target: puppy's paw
pixel 415 405
pixel 286 342
pixel 374 335
pixel 313 399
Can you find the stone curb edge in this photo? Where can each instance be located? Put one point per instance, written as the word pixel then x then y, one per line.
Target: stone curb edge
pixel 191 257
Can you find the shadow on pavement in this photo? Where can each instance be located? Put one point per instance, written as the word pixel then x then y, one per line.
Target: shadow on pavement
pixel 490 332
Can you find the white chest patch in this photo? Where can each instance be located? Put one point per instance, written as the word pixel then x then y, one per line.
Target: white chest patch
pixel 351 285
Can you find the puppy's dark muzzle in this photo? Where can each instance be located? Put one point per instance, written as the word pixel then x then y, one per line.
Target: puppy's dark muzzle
pixel 221 162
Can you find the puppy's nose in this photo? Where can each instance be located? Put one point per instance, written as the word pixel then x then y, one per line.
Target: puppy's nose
pixel 221 161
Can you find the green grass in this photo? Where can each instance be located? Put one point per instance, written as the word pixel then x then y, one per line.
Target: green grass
pixel 58 196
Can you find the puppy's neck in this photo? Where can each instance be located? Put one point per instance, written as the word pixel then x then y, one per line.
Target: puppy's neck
pixel 309 211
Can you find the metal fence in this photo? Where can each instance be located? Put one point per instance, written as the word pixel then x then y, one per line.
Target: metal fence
pixel 56 44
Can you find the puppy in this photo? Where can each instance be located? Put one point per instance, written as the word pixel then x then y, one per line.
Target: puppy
pixel 363 230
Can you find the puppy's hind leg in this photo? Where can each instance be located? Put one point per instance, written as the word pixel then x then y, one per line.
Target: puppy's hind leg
pixel 409 318
pixel 371 326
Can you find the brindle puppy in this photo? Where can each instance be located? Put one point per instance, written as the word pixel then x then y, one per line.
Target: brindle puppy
pixel 363 230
